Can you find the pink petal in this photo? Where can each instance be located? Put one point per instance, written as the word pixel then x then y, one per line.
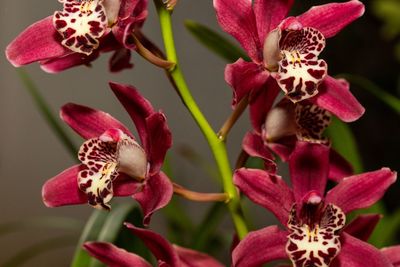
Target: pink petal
pixel 269 191
pixel 309 166
pixel 244 77
pixel 156 194
pixel 362 190
pixel 393 254
pixel 157 244
pixel 192 258
pixel 254 146
pixel 40 41
pixel 284 148
pixel 88 122
pixel 356 253
pixel 120 60
pixel 138 108
pixel 332 18
pixel 334 95
pixel 259 247
pixel 339 167
pixel 363 226
pixel 261 102
pixel 113 256
pixel 63 189
pixel 59 64
pixel 237 18
pixel 132 8
pixel 160 140
pixel 269 13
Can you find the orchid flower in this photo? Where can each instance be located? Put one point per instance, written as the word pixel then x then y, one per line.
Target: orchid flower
pixel 112 161
pixel 313 221
pixel 166 254
pixel 284 52
pixel 79 33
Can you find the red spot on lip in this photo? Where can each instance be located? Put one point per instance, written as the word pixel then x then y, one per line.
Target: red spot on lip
pixel 317 74
pixel 60 24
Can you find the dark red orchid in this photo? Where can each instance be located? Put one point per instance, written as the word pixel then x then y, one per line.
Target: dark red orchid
pixel 284 53
pixel 78 34
pixel 112 161
pixel 165 253
pixel 313 221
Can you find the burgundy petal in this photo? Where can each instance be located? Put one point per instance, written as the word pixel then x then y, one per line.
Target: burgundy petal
pixel 362 190
pixel 158 245
pixel 114 256
pixel 269 13
pixel 88 122
pixel 63 189
pixel 259 247
pixel 192 258
pixel 244 77
pixel 254 146
pixel 269 191
pixel 339 167
pixel 334 95
pixel 356 253
pixel 261 101
pixel 363 226
pixel 393 254
pixel 309 166
pixel 332 18
pixel 160 140
pixel 132 8
pixel 284 148
pixel 120 60
pixel 156 194
pixel 137 107
pixel 237 18
pixel 40 41
pixel 59 64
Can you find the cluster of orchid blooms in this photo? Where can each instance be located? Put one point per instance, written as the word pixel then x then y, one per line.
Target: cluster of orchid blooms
pixel 284 53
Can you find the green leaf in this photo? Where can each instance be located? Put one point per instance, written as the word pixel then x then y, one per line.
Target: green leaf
pixel 215 42
pixel 390 100
pixel 344 142
pixel 46 112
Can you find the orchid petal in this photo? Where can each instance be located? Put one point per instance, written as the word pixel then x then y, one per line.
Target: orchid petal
pixel 254 146
pixel 362 190
pixel 88 122
pixel 137 107
pixel 63 189
pixel 309 166
pixel 269 191
pixel 40 41
pixel 114 256
pixel 157 244
pixel 332 18
pixel 393 254
pixel 334 95
pixel 237 18
pixel 192 258
pixel 363 226
pixel 339 167
pixel 284 148
pixel 120 60
pixel 244 77
pixel 156 194
pixel 269 13
pixel 259 247
pixel 58 64
pixel 160 140
pixel 356 253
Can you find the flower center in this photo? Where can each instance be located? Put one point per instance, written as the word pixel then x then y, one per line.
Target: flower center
pixel 105 158
pixel 314 237
pixel 81 24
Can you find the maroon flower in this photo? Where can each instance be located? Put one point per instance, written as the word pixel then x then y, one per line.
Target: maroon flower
pixel 112 161
pixel 165 253
pixel 78 34
pixel 313 220
pixel 284 53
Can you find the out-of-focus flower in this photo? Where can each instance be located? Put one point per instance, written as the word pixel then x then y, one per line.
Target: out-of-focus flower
pixel 314 221
pixel 78 34
pixel 112 161
pixel 284 52
pixel 165 253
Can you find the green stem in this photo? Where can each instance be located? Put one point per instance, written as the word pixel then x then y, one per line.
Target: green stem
pixel 217 145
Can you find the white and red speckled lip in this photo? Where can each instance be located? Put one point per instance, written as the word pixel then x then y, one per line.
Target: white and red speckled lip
pixel 81 24
pixel 315 243
pixel 311 122
pixel 300 71
pixel 104 158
